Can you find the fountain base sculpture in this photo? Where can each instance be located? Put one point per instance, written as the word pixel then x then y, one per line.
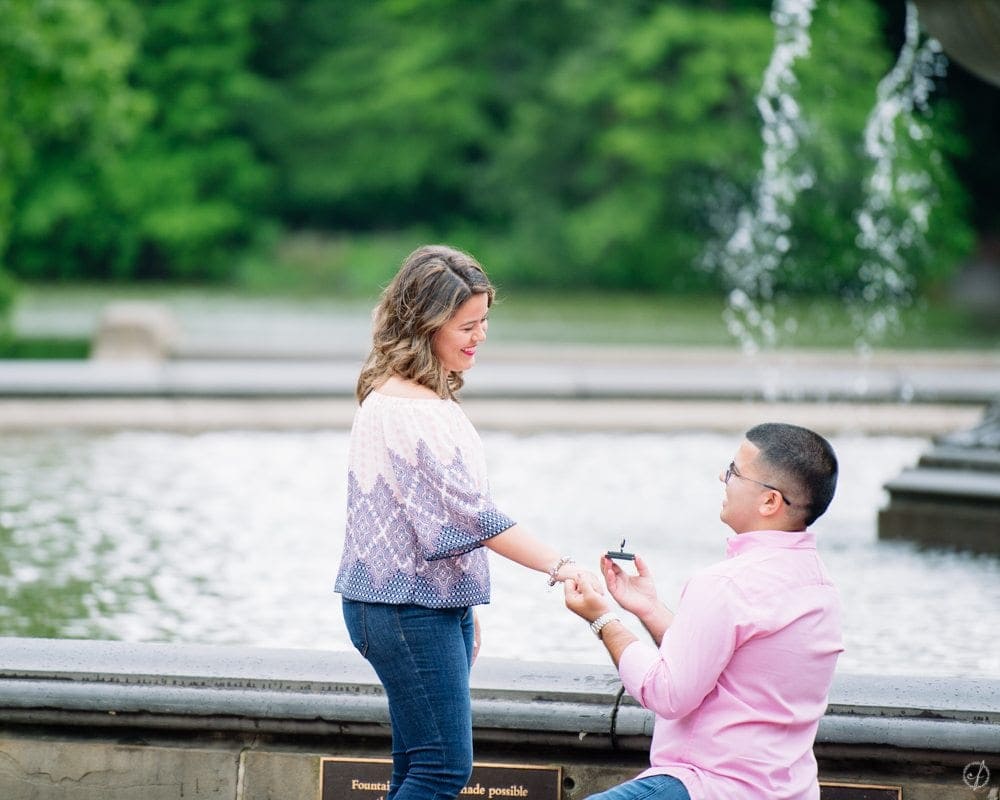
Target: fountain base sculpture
pixel 969 32
pixel 952 497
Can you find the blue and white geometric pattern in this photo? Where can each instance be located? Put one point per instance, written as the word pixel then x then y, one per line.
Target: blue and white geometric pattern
pixel 420 539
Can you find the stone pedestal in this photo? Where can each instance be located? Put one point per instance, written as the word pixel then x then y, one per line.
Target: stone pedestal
pixel 134 331
pixel 969 31
pixel 951 498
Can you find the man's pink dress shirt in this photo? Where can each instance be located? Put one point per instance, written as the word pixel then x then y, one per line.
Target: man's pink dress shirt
pixel 740 680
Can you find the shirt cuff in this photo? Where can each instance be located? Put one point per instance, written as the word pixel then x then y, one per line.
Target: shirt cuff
pixel 634 664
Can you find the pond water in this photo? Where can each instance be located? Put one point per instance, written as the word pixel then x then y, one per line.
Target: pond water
pixel 234 538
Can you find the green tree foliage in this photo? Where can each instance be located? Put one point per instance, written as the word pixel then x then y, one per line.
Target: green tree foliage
pixel 63 95
pixel 838 94
pixel 177 196
pixel 572 143
pixel 609 171
pixel 383 114
pixel 65 107
pixel 569 143
pixel 200 183
pixel 644 143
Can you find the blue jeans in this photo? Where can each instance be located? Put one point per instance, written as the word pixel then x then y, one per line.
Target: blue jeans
pixel 655 787
pixel 423 657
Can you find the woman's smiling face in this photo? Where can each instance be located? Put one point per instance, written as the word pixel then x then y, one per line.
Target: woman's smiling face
pixel 455 343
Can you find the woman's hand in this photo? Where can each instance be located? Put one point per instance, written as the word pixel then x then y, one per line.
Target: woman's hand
pixel 583 600
pixel 571 572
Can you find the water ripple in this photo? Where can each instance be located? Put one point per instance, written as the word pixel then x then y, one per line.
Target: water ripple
pixel 234 538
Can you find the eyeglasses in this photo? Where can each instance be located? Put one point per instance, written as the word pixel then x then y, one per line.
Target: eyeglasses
pixel 732 472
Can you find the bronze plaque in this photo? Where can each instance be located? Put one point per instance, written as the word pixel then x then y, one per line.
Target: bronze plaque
pixel 858 791
pixel 368 779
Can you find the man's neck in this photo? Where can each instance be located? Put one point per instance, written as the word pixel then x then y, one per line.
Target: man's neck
pixel 787 528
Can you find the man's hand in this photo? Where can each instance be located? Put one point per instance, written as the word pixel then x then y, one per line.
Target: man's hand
pixel 634 593
pixel 584 600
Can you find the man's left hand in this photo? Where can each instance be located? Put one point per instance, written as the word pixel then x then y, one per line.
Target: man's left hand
pixel 583 599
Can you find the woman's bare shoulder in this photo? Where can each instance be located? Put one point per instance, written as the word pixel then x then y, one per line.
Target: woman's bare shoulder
pixel 395 386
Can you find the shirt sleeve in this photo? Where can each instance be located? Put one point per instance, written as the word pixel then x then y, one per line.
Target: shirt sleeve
pixel 442 486
pixel 673 680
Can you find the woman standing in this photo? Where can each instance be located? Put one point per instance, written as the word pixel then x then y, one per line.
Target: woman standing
pixel 419 514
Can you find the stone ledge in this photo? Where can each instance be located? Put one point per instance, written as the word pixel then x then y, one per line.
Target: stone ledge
pixel 940 484
pixel 261 688
pixel 190 414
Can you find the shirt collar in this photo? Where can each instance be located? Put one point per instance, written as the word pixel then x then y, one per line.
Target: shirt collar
pixel 790 540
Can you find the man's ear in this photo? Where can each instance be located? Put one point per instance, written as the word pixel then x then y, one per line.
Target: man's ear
pixel 771 504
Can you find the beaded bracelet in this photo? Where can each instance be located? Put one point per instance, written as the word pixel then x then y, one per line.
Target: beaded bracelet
pixel 562 562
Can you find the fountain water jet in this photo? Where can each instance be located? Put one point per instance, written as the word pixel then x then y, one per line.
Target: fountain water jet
pixel 883 237
pixel 754 252
pixel 892 219
pixel 952 497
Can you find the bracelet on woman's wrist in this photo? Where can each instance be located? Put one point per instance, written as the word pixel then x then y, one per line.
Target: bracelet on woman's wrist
pixel 554 572
pixel 598 624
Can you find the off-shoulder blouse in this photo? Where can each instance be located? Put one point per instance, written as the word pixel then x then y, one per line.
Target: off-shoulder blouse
pixel 418 506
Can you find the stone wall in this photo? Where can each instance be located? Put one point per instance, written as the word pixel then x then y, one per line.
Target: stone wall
pixel 113 721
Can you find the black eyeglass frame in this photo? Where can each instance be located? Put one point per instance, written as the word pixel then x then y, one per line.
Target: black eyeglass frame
pixel 731 471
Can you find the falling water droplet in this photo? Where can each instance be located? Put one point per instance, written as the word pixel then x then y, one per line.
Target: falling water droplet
pixel 754 252
pixel 892 190
pixel 896 209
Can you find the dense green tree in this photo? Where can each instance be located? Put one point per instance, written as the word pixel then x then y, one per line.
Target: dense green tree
pixel 570 143
pixel 384 114
pixel 839 96
pixel 608 168
pixel 66 108
pixel 203 183
pixel 366 124
pixel 571 130
pixel 644 143
pixel 179 196
pixel 64 95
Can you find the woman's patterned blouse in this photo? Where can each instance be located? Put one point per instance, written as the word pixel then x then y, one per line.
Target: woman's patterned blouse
pixel 418 506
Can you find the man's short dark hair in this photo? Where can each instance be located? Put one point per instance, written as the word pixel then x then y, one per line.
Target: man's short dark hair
pixel 803 460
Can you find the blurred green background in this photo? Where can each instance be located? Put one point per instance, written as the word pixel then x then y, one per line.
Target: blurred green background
pixel 576 147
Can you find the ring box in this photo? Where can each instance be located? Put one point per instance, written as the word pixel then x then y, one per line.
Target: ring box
pixel 620 554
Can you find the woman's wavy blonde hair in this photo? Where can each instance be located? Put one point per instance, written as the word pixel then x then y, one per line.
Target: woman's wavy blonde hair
pixel 432 283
